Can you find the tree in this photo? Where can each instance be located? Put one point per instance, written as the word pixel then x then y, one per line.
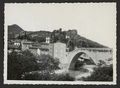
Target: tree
pixel 47 66
pixel 71 45
pixel 47 62
pixel 101 63
pixel 45 75
pixel 19 63
pixel 101 74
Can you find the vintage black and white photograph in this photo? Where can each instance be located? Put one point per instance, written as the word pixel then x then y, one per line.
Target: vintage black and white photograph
pixel 60 43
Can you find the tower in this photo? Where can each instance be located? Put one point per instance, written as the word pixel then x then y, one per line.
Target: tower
pixel 60 52
pixel 47 39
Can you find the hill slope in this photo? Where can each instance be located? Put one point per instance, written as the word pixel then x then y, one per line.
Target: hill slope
pixel 59 35
pixel 14 30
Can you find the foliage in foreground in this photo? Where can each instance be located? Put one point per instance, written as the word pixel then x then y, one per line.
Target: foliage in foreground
pixel 46 75
pixel 19 63
pixel 101 74
pixel 25 62
pixel 64 77
pixel 47 62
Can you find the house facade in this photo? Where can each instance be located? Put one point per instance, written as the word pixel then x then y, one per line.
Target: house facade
pixel 56 50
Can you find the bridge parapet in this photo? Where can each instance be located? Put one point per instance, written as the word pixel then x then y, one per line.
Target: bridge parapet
pixel 94 49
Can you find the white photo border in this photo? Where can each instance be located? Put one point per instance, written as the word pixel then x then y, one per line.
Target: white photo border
pixel 54 82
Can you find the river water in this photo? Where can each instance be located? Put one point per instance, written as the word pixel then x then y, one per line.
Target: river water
pixel 85 71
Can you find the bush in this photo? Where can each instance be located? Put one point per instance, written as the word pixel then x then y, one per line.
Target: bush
pixel 64 77
pixel 101 74
pixel 47 66
pixel 47 62
pixel 25 61
pixel 38 75
pixel 19 63
pixel 46 75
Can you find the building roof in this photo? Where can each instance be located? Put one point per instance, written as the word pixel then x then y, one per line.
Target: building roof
pixel 58 42
pixel 14 41
pixel 43 49
pixel 34 47
pixel 36 44
pixel 13 46
pixel 27 43
pixel 44 43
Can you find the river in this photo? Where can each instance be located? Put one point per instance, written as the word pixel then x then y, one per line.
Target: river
pixel 85 71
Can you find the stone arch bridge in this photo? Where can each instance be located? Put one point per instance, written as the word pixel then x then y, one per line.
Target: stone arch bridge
pixel 94 54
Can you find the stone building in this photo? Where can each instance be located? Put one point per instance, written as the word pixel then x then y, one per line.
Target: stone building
pixel 60 51
pixel 43 48
pixel 25 44
pixel 14 46
pixel 56 50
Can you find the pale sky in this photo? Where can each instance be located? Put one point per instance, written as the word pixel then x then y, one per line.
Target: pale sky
pixel 95 21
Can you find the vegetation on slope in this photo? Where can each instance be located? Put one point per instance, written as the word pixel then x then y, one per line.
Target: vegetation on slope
pixel 74 40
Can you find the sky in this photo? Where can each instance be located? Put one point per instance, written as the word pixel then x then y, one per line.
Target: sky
pixel 95 21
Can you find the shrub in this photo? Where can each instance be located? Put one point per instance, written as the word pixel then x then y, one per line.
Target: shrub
pixel 19 63
pixel 101 63
pixel 38 75
pixel 64 77
pixel 101 74
pixel 46 75
pixel 25 62
pixel 47 62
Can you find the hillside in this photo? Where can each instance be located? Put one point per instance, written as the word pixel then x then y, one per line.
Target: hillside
pixel 76 40
pixel 14 30
pixel 84 42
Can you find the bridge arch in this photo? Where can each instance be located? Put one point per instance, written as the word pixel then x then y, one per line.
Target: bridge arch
pixel 95 55
pixel 82 57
